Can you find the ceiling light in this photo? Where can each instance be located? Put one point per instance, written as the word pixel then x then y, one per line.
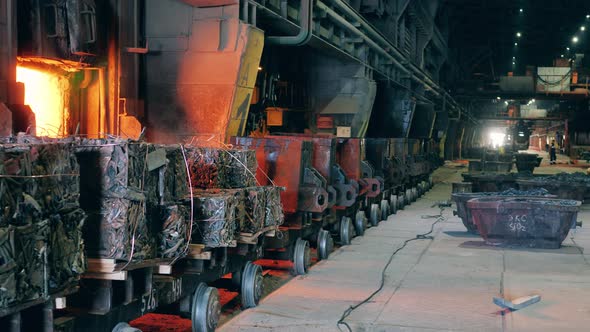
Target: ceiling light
pixel 587 16
pixel 562 55
pixel 513 58
pixel 575 39
pixel 583 28
pixel 498 98
pixel 567 48
pixel 506 103
pixel 513 62
pixel 521 10
pixel 515 44
pixel 518 34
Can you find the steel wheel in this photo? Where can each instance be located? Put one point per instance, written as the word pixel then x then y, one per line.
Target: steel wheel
pixel 205 309
pixel 384 209
pixel 124 327
pixel 360 223
pixel 402 201
pixel 374 215
pixel 409 196
pixel 301 257
pixel 346 230
pixel 414 194
pixel 325 244
pixel 393 204
pixel 251 288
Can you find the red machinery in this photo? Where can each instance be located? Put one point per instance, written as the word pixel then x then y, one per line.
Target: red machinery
pixel 287 162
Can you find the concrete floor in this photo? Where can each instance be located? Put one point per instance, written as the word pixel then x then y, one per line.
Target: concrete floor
pixel 433 285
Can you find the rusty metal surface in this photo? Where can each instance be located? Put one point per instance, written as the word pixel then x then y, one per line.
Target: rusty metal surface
pixel 530 222
pixel 399 147
pixel 349 154
pixel 283 161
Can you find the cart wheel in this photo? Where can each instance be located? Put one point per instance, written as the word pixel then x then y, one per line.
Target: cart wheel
pixel 414 194
pixel 384 209
pixel 393 204
pixel 325 244
pixel 251 289
pixel 374 215
pixel 360 223
pixel 346 230
pixel 409 196
pixel 301 257
pixel 124 327
pixel 402 200
pixel 205 309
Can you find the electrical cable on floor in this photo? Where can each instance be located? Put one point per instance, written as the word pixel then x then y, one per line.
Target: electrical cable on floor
pixel 426 236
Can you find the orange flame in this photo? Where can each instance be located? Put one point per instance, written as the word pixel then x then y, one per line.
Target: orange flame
pixel 44 93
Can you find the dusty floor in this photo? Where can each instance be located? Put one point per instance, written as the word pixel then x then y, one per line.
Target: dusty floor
pixel 442 284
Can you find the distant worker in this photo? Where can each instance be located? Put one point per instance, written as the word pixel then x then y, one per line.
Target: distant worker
pixel 552 154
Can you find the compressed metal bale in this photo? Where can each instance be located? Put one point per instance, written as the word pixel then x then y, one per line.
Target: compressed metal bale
pixel 30 246
pixel 255 209
pixel 274 215
pixel 174 235
pixel 115 191
pixel 66 258
pixel 214 218
pixel 8 267
pixel 118 229
pixel 219 168
pixel 45 174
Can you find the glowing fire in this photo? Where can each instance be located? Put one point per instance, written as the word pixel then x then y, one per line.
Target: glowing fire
pixel 44 93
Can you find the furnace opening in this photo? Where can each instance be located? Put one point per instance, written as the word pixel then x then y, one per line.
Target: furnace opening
pixel 46 92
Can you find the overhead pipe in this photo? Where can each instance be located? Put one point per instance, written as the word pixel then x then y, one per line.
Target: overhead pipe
pixel 305 32
pixel 374 34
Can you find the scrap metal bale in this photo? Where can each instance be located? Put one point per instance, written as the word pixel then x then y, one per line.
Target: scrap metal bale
pixel 38 176
pixel 214 223
pixel 118 228
pixel 255 206
pixel 274 215
pixel 8 267
pixel 174 235
pixel 220 168
pixel 30 246
pixel 66 248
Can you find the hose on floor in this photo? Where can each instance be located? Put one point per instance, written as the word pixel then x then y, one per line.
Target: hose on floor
pixel 426 236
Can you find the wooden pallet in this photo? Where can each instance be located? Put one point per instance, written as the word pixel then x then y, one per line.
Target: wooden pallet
pixel 111 269
pixel 58 299
pixel 252 238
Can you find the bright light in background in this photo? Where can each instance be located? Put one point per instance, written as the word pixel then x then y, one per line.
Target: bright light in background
pixel 521 10
pixel 44 93
pixel 497 138
pixel 518 34
pixel 583 28
pixel 575 39
pixel 498 98
pixel 562 55
pixel 587 16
